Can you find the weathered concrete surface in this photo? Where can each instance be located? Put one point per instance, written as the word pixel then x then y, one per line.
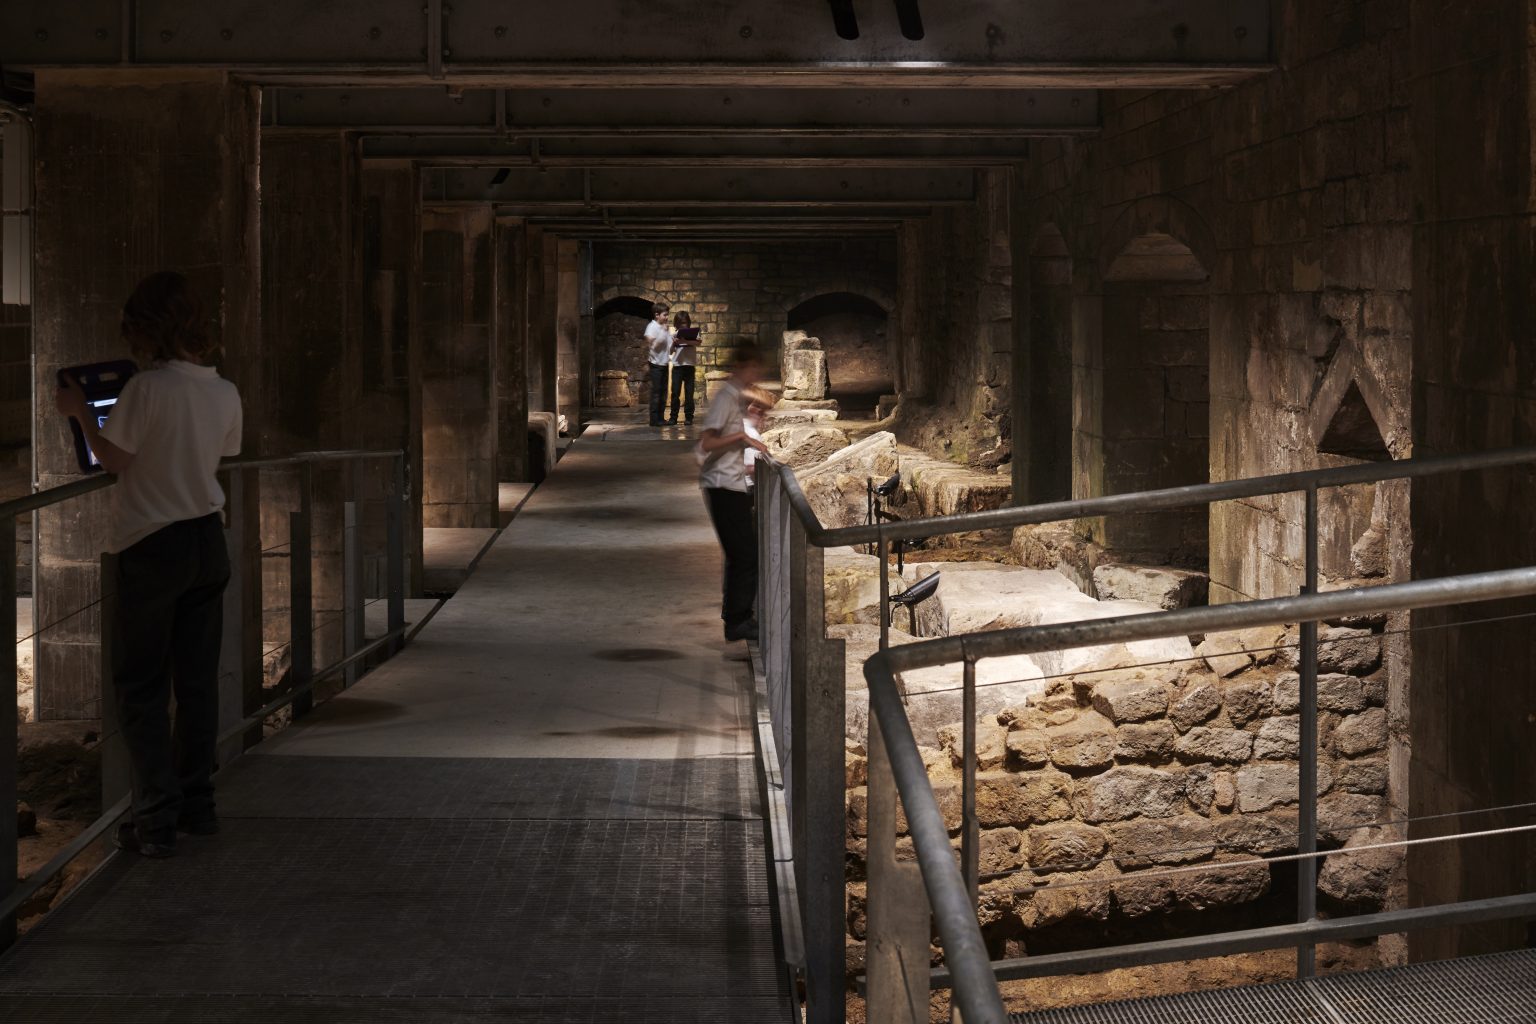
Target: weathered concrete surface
pixel 512 665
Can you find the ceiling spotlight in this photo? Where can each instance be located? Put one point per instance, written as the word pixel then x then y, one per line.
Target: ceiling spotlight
pixel 911 19
pixel 500 176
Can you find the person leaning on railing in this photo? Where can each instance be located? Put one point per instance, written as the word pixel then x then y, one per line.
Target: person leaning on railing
pixel 723 477
pixel 163 441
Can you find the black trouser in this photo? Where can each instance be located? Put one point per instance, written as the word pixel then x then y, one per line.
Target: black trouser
pixel 735 525
pixel 682 390
pixel 170 619
pixel 658 392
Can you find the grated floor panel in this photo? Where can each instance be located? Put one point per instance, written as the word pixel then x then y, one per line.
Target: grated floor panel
pixel 275 786
pixel 430 890
pixel 1495 989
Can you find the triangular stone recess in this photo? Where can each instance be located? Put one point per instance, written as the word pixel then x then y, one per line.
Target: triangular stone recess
pixel 1353 432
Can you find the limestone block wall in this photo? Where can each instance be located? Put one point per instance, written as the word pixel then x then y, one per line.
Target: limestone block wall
pixel 15 374
pixel 735 292
pixel 956 335
pixel 1090 793
pixel 1291 195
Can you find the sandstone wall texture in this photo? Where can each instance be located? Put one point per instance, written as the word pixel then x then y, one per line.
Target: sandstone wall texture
pixel 1275 216
pixel 955 333
pixel 735 293
pixel 1094 796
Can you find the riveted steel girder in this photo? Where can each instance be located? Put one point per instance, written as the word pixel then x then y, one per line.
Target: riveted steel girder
pixel 618 43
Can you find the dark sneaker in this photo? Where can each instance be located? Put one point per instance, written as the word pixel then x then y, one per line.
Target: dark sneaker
pixel 742 631
pixel 205 826
pixel 131 839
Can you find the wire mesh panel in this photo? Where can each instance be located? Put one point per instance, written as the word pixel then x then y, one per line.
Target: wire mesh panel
pixel 1475 990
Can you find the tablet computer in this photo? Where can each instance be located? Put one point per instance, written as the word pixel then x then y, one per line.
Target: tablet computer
pixel 687 334
pixel 102 383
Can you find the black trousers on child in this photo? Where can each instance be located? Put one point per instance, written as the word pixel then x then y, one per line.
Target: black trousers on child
pixel 170 620
pixel 682 391
pixel 735 525
pixel 658 392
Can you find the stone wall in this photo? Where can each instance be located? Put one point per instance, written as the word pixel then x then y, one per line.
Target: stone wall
pixel 955 332
pixel 734 292
pixel 1290 195
pixel 1090 793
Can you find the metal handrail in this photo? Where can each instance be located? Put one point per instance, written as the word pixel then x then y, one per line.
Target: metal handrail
pixel 1139 501
pixel 38 500
pixel 949 891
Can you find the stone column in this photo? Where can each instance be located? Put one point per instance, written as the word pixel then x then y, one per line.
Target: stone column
pixel 137 171
pixel 457 368
pixel 511 352
pixel 568 331
pixel 1469 711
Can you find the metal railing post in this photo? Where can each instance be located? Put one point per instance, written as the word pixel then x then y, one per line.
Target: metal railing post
pixel 394 530
pixel 896 937
pixel 232 662
pixel 820 792
pixel 10 726
pixel 351 591
pixel 116 770
pixel 301 636
pixel 1306 819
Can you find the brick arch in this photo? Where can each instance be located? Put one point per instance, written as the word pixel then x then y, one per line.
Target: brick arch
pixel 623 291
pixel 1147 222
pixel 862 289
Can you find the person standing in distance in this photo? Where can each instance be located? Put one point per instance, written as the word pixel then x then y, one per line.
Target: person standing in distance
pixel 684 360
pixel 723 478
pixel 658 341
pixel 163 441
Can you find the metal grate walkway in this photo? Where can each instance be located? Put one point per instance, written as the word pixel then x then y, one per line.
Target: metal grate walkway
pixel 524 817
pixel 1496 989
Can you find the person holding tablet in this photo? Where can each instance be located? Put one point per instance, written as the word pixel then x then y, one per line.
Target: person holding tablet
pixel 685 358
pixel 163 441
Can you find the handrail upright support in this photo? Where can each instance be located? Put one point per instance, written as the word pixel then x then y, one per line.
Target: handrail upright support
pixel 116 771
pixel 10 726
pixel 394 542
pixel 301 620
pixel 1306 821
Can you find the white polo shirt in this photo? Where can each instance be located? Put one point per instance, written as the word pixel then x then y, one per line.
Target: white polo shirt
pixel 659 340
pixel 724 468
pixel 177 421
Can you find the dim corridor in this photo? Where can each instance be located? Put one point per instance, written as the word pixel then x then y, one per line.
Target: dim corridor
pixel 545 809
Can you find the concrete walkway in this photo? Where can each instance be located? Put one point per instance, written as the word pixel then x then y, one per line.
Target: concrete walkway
pixel 545 809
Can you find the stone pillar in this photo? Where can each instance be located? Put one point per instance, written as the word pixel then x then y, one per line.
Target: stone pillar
pixel 511 352
pixel 1473 736
pixel 136 172
pixel 568 331
pixel 388 230
pixel 538 343
pixel 458 368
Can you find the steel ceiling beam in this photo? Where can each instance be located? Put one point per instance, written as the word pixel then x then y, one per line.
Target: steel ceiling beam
pixel 616 43
pixel 496 150
pixel 691 113
pixel 705 186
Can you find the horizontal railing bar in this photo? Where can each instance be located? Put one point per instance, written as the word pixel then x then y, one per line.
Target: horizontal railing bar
pixel 76 488
pixel 59 861
pixel 1143 501
pixel 1448 590
pixel 278 703
pixel 54 495
pixel 1254 940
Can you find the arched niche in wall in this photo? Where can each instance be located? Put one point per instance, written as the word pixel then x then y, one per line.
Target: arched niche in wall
pixel 1050 367
pixel 853 329
pixel 1154 370
pixel 618 340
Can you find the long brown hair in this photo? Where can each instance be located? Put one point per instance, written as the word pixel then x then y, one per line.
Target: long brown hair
pixel 164 320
